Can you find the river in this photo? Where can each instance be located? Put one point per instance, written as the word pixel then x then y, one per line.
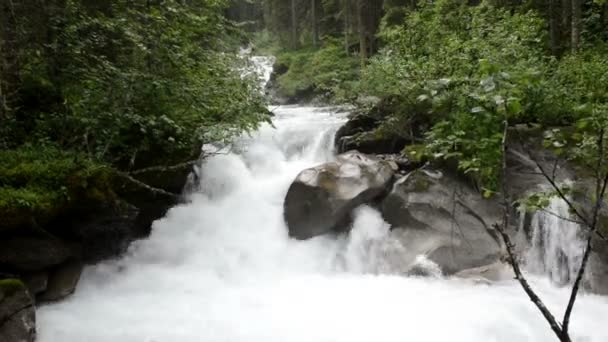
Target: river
pixel 221 268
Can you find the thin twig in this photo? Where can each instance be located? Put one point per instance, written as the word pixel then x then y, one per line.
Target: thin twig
pixel 585 223
pixel 599 192
pixel 147 187
pixel 165 168
pixel 560 216
pixel 557 329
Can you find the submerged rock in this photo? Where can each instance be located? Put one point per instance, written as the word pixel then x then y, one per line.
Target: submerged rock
pixel 443 218
pixel 321 199
pixel 17 314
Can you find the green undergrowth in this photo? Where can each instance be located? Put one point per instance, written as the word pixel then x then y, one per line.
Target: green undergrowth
pixel 8 287
pixel 327 71
pixel 39 184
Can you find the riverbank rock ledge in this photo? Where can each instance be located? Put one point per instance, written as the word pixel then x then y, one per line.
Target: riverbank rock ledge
pixel 17 314
pixel 437 215
pixel 321 199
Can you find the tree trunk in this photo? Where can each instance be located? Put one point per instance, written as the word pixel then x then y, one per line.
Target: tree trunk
pixel 576 25
pixel 9 59
pixel 294 25
pixel 315 25
pixel 566 23
pixel 363 33
pixel 347 26
pixel 605 20
pixel 554 27
pixel 3 108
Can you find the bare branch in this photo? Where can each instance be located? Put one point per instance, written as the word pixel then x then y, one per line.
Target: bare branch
pixel 165 168
pixel 147 187
pixel 549 317
pixel 560 216
pixel 554 168
pixel 600 191
pixel 528 289
pixel 584 221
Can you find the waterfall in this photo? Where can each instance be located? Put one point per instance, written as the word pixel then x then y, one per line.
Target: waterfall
pixel 556 248
pixel 221 268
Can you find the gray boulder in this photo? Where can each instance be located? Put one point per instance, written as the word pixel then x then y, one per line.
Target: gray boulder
pixel 443 218
pixel 17 313
pixel 321 199
pixel 27 254
pixel 62 281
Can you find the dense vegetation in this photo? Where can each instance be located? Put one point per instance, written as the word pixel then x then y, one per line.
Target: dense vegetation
pixel 456 68
pixel 91 90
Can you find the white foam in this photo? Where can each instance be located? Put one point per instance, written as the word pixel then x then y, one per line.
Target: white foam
pixel 221 268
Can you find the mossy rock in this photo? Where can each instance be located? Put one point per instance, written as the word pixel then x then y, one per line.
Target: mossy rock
pixel 39 184
pixel 9 287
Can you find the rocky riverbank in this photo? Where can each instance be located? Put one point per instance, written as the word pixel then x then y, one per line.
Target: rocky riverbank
pixel 433 209
pixel 41 260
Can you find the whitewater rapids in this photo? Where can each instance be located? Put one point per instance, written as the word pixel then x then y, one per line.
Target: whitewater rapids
pixel 221 268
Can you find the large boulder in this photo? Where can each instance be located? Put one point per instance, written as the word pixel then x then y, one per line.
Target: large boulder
pixel 321 199
pixel 26 254
pixel 437 215
pixel 62 281
pixel 17 313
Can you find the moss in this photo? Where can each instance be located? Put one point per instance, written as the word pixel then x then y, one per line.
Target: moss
pixel 41 184
pixel 8 287
pixel 416 153
pixel 420 183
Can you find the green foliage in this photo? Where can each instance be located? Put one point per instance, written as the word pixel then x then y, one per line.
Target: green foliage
pixel 8 287
pixel 38 184
pixel 468 69
pixel 327 71
pixel 121 85
pixel 137 84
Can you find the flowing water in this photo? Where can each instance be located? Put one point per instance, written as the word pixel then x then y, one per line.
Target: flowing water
pixel 221 268
pixel 556 245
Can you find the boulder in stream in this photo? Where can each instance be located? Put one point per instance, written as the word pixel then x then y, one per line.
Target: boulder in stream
pixel 437 215
pixel 321 199
pixel 17 314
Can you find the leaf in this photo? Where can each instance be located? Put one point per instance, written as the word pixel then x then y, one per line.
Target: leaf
pixel 513 106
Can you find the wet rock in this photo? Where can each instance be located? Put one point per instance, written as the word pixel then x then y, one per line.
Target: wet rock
pixel 360 134
pixel 32 253
pixel 105 235
pixel 497 271
pixel 36 282
pixel 597 272
pixel 17 313
pixel 62 281
pixel 321 199
pixel 437 215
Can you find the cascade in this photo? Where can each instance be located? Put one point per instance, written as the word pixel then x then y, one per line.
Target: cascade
pixel 221 268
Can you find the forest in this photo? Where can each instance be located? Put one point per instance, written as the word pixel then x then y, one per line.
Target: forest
pixel 105 106
pixel 102 90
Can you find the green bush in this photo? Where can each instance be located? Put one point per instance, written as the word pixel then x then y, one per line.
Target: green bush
pixel 466 69
pixel 39 184
pixel 326 71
